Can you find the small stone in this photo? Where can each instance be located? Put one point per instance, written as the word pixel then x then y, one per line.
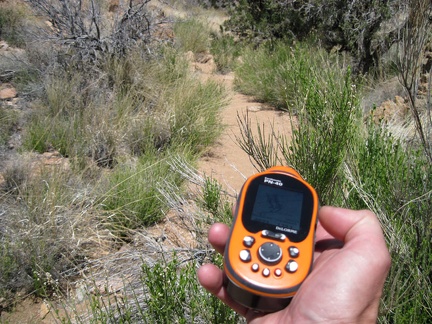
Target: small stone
pixel 3 45
pixel 8 93
pixel 254 108
pixel 80 293
pixel 44 310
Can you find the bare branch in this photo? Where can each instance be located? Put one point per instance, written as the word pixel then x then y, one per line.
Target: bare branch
pixel 413 39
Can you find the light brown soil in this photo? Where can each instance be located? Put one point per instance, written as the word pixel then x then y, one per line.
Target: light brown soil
pixel 225 161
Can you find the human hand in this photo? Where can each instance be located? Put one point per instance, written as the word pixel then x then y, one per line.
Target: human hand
pixel 351 263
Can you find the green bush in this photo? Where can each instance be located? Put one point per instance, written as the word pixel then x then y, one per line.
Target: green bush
pixel 322 99
pixel 395 181
pixel 12 19
pixel 175 286
pixel 352 25
pixel 192 35
pixel 132 194
pixel 226 51
pixel 356 165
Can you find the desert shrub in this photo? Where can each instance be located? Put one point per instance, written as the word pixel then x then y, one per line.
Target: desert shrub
pixel 79 119
pixel 394 180
pixel 226 51
pixel 12 20
pixel 8 120
pixel 37 231
pixel 320 95
pixel 350 24
pixel 259 73
pixel 365 168
pixel 84 35
pixel 175 286
pixel 192 35
pixel 132 195
pixel 280 74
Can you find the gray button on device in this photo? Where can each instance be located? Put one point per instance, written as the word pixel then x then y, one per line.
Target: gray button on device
pixel 274 236
pixel 293 252
pixel 270 253
pixel 248 241
pixel 245 255
pixel 291 266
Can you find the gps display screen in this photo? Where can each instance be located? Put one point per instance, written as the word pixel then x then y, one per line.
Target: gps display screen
pixel 278 207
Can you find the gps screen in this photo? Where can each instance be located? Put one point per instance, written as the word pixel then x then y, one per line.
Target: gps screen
pixel 278 207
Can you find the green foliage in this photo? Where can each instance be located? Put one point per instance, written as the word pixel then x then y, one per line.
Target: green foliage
pixel 327 127
pixel 283 75
pixel 353 25
pixel 79 120
pixel 211 195
pixel 226 52
pixel 259 75
pixel 12 19
pixel 133 194
pixel 195 117
pixel 350 164
pixel 215 202
pixel 169 288
pixel 8 119
pixel 175 287
pixel 192 35
pixel 320 96
pixel 395 182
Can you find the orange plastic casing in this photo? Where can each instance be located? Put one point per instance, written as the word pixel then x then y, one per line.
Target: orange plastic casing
pixel 260 288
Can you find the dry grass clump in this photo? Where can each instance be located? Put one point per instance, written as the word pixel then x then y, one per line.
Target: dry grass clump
pixel 102 131
pixel 45 220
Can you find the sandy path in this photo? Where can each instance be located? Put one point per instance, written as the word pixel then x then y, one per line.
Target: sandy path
pixel 226 161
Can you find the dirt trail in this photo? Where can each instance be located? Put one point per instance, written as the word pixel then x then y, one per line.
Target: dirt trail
pixel 225 160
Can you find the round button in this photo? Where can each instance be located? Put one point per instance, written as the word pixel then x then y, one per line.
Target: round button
pixel 255 267
pixel 291 266
pixel 293 251
pixel 278 272
pixel 245 255
pixel 270 253
pixel 266 272
pixel 248 241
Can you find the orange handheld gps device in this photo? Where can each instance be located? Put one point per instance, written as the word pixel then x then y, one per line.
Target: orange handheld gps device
pixel 269 252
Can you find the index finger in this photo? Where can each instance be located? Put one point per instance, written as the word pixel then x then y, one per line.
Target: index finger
pixel 218 236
